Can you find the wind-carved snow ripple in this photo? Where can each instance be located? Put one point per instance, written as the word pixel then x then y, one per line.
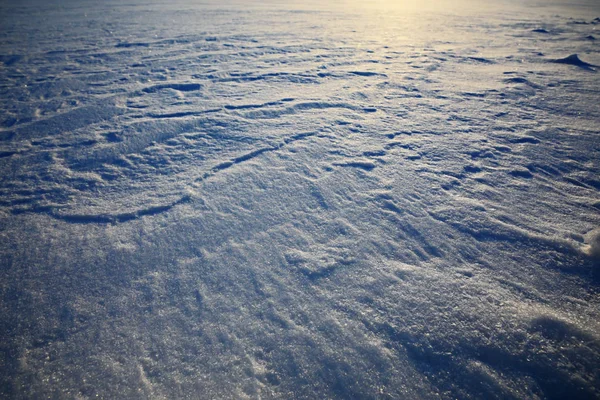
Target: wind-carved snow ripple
pixel 118 157
pixel 95 159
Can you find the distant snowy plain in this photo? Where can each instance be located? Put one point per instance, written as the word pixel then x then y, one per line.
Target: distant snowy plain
pixel 243 200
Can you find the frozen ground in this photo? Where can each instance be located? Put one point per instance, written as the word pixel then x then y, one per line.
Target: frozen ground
pixel 218 200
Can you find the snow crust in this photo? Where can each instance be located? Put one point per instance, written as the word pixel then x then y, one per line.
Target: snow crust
pixel 299 200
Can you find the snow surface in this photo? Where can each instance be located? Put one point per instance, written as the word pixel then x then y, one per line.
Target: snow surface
pixel 294 200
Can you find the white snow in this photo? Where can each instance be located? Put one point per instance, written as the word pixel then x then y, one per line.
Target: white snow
pixel 299 200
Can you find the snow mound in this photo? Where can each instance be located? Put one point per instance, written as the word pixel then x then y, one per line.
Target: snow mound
pixel 593 249
pixel 574 59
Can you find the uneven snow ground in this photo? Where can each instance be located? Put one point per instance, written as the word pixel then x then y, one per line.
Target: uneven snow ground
pixel 242 200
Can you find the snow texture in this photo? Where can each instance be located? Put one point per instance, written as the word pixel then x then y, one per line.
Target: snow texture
pixel 299 200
